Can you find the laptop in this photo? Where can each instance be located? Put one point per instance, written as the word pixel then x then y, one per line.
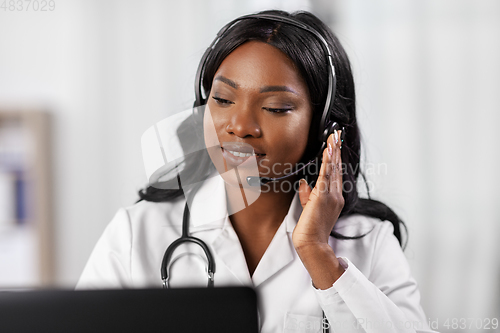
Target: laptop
pixel 229 309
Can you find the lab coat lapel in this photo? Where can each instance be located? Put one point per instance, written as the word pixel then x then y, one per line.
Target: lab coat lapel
pixel 228 248
pixel 278 254
pixel 280 251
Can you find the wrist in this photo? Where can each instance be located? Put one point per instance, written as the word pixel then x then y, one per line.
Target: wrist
pixel 312 247
pixel 321 262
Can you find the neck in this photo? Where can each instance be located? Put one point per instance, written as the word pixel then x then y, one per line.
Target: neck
pixel 264 214
pixel 257 224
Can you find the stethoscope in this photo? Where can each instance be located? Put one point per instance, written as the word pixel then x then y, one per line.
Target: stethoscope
pixel 186 238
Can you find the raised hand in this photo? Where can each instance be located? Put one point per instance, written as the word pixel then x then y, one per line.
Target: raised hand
pixel 321 209
pixel 323 204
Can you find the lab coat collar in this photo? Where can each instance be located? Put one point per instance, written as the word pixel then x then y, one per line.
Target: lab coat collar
pixel 209 211
pixel 279 254
pixel 280 251
pixel 293 215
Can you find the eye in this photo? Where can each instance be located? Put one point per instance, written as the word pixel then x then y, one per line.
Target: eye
pixel 221 101
pixel 277 110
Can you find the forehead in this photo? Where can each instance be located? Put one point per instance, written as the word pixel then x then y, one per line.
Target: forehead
pixel 254 64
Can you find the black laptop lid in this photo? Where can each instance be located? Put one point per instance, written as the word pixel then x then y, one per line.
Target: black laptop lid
pixel 232 309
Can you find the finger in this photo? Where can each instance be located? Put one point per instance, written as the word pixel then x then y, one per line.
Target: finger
pixel 332 167
pixel 304 192
pixel 323 182
pixel 337 158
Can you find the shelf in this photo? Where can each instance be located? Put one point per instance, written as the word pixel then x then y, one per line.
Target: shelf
pixel 26 254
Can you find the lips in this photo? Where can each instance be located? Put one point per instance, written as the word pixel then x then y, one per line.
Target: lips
pixel 235 153
pixel 241 147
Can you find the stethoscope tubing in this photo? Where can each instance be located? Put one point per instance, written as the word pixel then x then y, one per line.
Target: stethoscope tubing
pixel 186 238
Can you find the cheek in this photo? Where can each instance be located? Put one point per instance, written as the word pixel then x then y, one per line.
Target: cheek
pixel 213 124
pixel 294 139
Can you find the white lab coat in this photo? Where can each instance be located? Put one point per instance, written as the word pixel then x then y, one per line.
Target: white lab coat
pixel 376 293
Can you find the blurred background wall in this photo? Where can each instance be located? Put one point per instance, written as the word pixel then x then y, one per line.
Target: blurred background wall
pixel 428 83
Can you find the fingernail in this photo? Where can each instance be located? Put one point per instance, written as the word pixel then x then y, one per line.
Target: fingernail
pixel 302 181
pixel 336 135
pixel 329 149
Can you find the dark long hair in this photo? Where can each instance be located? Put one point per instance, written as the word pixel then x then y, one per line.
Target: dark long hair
pixel 305 50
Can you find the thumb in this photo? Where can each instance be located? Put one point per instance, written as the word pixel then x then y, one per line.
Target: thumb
pixel 304 192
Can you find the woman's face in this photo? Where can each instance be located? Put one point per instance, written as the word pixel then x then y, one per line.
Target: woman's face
pixel 259 104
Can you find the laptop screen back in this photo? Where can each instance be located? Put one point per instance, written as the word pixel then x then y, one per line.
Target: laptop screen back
pixel 232 309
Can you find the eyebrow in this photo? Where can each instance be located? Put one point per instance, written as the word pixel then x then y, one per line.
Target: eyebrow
pixel 226 81
pixel 265 89
pixel 277 88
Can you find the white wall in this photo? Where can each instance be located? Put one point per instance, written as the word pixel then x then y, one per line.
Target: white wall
pixel 428 77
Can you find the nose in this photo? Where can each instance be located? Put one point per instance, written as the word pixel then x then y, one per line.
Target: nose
pixel 244 123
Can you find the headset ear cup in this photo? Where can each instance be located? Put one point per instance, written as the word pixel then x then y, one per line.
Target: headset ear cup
pixel 330 128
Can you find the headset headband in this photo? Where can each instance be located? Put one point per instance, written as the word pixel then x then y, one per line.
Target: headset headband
pixel 325 128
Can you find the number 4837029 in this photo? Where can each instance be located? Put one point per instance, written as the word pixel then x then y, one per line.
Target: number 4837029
pixel 28 5
pixel 471 323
